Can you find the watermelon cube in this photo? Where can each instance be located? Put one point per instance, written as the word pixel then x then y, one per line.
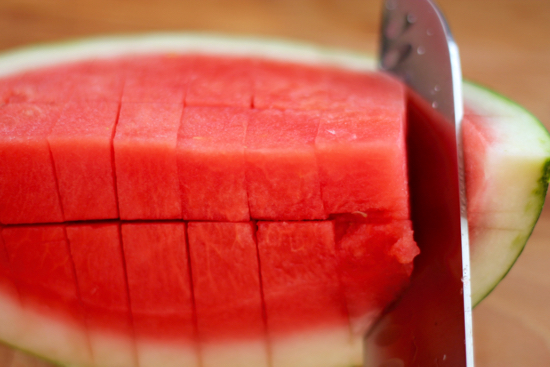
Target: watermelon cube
pixel 211 149
pixel 43 272
pixel 375 263
pixel 307 320
pixel 281 166
pixel 226 286
pixel 101 280
pixel 10 301
pixel 145 160
pixel 81 147
pixel 362 162
pixel 28 187
pixel 160 295
pixel 7 286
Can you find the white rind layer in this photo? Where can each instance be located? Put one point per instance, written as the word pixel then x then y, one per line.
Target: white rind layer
pixel 152 353
pixel 508 243
pixel 235 354
pixel 43 334
pixel 321 347
pixel 111 350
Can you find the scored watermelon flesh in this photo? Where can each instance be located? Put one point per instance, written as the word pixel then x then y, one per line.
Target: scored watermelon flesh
pixel 211 149
pixel 42 271
pixel 201 157
pixel 302 292
pixel 217 81
pixel 7 286
pixel 145 82
pixel 281 167
pixel 80 144
pixel 227 294
pixel 287 86
pixel 160 296
pixel 85 81
pixel 101 281
pixel 145 160
pixel 28 188
pixel 362 166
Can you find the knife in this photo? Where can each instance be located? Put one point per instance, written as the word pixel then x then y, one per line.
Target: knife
pixel 431 323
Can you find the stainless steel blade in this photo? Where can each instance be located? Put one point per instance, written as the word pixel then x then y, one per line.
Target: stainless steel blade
pixel 431 324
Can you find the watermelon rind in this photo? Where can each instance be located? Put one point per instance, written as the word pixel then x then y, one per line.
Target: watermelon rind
pixel 517 176
pixel 521 157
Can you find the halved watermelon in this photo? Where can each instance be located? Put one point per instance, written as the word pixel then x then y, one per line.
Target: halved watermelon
pixel 255 214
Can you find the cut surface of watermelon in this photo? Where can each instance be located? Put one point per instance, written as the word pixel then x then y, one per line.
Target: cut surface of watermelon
pixel 281 166
pixel 80 145
pixel 261 201
pixel 307 320
pixel 211 149
pixel 160 296
pixel 28 186
pixel 101 281
pixel 227 293
pixel 145 160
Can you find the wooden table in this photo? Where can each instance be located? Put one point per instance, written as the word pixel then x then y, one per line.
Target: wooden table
pixel 504 45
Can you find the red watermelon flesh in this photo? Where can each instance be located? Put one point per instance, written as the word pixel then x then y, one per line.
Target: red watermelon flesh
pixel 226 286
pixel 307 320
pixel 35 87
pixel 145 160
pixel 160 296
pixel 100 274
pixel 96 81
pixel 44 275
pixel 9 297
pixel 366 253
pixel 350 90
pixel 281 167
pixel 85 81
pixel 6 281
pixel 288 86
pixel 362 161
pixel 145 82
pixel 302 163
pixel 477 140
pixel 211 149
pixel 219 81
pixel 81 148
pixel 28 187
pixel 146 176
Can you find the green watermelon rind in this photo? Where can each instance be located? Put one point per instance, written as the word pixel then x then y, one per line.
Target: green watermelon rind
pixel 29 58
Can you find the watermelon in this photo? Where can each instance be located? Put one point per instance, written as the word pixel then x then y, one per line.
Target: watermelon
pixel 187 200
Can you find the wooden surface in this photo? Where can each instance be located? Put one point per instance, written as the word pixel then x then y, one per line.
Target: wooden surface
pixel 504 44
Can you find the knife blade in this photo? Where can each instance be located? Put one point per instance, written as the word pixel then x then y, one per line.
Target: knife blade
pixel 431 323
